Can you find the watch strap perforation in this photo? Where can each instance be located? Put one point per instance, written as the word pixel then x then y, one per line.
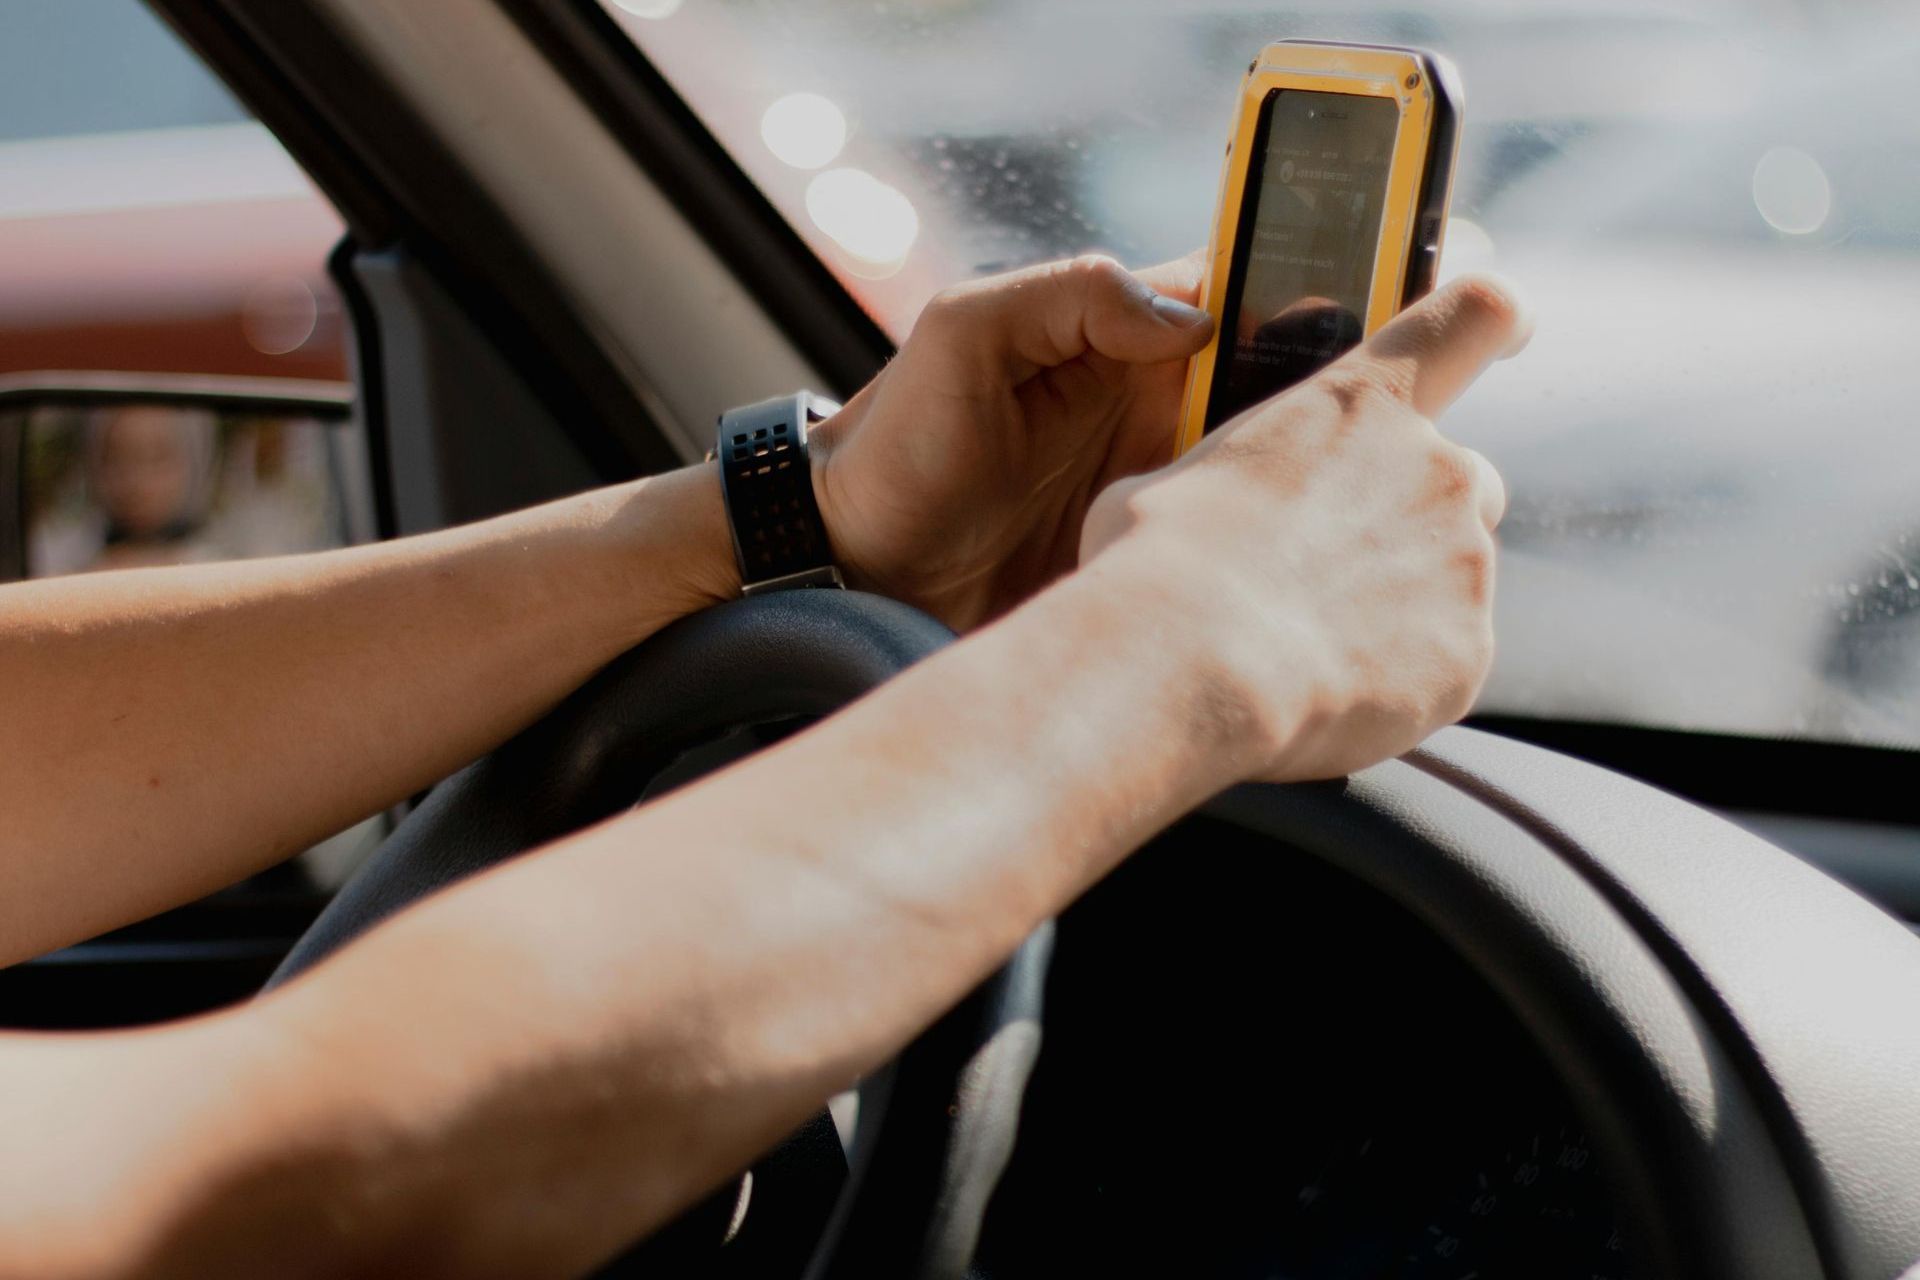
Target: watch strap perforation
pixel 779 536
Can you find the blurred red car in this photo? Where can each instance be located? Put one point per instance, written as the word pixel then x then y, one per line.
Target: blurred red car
pixel 198 250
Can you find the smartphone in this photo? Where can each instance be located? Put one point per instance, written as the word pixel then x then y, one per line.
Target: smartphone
pixel 1331 216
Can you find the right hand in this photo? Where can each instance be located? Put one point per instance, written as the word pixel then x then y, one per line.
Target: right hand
pixel 1327 554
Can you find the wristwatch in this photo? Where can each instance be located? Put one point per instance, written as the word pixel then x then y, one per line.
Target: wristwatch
pixel 779 537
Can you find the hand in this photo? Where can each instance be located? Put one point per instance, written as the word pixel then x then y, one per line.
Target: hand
pixel 958 480
pixel 1328 552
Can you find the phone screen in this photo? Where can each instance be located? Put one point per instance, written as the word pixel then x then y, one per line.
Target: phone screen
pixel 1309 232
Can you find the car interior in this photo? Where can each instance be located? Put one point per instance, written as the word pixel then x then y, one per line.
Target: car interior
pixel 1607 982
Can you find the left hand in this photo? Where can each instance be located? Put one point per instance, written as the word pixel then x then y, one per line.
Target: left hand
pixel 958 480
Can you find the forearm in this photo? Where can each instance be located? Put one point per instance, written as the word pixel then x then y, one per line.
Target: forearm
pixel 588 1039
pixel 169 731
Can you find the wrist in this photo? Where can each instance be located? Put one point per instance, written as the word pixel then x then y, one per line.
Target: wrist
pixel 1256 662
pixel 1164 627
pixel 824 441
pixel 670 546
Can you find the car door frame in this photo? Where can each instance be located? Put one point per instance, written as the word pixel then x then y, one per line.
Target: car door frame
pixel 313 73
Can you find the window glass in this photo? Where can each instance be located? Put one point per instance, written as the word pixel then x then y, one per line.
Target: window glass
pixel 1713 446
pixel 146 222
pixel 100 66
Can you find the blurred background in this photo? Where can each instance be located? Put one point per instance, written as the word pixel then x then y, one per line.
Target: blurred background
pixel 1713 446
pixel 146 222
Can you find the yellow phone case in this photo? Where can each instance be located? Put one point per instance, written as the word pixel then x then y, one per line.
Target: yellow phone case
pixel 1419 180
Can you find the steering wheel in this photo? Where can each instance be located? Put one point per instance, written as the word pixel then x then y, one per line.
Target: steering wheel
pixel 936 1125
pixel 1740 1033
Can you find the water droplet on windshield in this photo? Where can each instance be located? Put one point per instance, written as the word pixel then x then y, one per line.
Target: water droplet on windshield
pixel 1791 191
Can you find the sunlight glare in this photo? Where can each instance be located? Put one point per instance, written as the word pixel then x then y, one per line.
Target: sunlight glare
pixel 805 130
pixel 872 221
pixel 1468 248
pixel 650 8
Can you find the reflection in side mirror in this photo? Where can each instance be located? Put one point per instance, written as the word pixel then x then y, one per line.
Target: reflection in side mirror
pixel 127 482
pixel 131 471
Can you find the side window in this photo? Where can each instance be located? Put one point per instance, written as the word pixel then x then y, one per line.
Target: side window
pixel 172 353
pixel 153 236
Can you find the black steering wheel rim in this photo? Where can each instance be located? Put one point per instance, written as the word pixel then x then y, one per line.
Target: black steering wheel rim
pixel 936 1124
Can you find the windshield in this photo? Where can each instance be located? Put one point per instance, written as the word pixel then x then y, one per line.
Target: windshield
pixel 1713 445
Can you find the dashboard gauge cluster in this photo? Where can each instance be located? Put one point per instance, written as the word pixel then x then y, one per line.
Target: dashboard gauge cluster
pixel 1504 1206
pixel 1253 1068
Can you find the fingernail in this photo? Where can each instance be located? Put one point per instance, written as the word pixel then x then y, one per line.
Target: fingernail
pixel 1176 312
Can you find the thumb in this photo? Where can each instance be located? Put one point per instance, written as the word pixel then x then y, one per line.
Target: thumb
pixel 1044 316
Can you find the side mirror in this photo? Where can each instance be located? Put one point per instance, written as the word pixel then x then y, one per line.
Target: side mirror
pixel 101 471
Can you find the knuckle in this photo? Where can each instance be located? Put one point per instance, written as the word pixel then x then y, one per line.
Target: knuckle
pixel 1486 301
pixel 1095 267
pixel 1251 448
pixel 1475 567
pixel 1095 274
pixel 1363 383
pixel 1352 388
pixel 1450 475
pixel 1476 559
pixel 943 309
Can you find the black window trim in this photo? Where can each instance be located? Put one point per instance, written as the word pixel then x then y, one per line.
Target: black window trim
pixel 1734 772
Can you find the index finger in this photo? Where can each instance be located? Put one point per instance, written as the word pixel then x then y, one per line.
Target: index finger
pixel 1435 349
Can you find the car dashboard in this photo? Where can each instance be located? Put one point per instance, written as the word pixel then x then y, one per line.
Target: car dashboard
pixel 1255 1068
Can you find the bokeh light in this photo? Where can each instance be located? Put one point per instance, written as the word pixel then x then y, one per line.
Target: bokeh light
pixel 650 8
pixel 1791 191
pixel 806 130
pixel 280 314
pixel 1468 248
pixel 872 221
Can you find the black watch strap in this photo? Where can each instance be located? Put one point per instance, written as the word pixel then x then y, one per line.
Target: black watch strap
pixel 779 537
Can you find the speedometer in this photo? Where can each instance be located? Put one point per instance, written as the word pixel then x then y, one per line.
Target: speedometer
pixel 1367 1110
pixel 1533 1197
pixel 1527 1204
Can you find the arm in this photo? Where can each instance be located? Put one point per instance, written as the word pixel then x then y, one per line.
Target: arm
pixel 167 732
pixel 589 1038
pixel 164 732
